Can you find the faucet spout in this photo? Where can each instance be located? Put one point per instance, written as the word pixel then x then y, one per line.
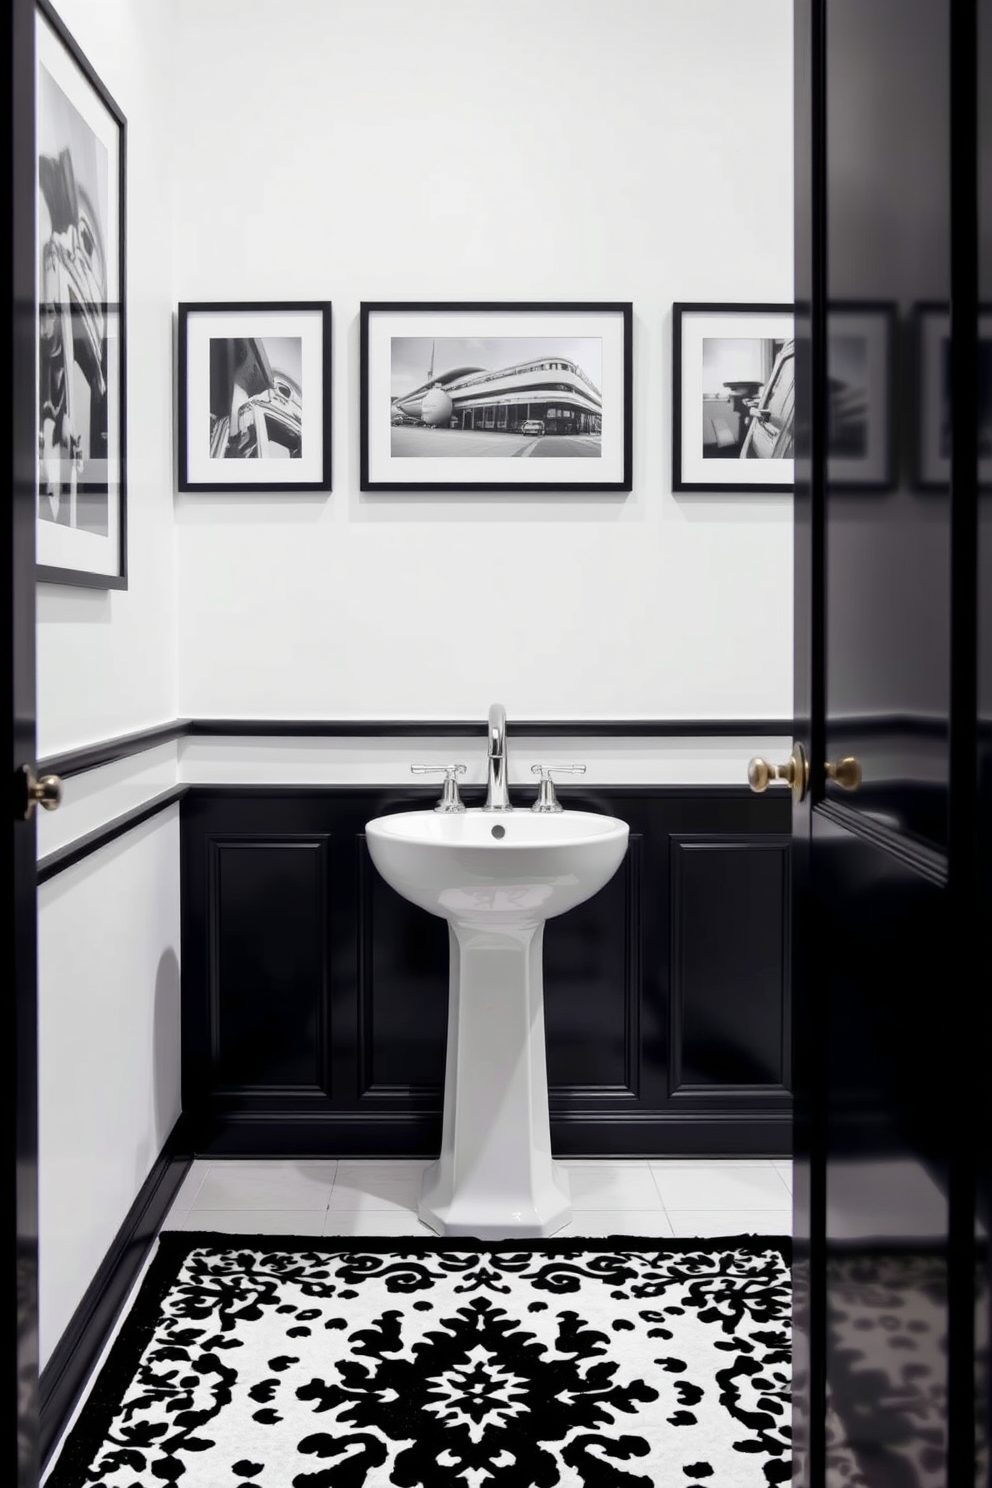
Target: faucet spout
pixel 497 791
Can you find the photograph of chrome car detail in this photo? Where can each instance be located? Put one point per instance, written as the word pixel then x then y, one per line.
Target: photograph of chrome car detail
pixel 80 184
pixel 256 403
pixel 254 396
pixel 496 396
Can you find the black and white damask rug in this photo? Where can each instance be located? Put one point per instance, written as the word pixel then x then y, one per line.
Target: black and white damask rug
pixel 286 1362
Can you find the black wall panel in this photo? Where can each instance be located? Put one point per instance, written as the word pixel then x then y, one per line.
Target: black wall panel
pixel 729 970
pixel 315 997
pixel 270 912
pixel 403 993
pixel 592 989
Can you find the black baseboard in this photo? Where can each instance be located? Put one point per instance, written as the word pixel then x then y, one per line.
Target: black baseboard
pixel 574 1135
pixel 77 1351
pixel 662 1135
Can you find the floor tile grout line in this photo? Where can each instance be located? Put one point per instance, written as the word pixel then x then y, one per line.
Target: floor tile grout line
pixel 657 1187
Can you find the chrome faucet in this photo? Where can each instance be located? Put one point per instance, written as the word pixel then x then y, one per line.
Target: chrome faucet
pixel 497 793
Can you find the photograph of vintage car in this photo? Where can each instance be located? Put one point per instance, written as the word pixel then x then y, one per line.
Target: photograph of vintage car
pixel 747 398
pixel 756 420
pixel 770 415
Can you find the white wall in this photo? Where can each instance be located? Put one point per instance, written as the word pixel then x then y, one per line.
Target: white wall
pixel 108 1065
pixel 377 149
pixel 107 658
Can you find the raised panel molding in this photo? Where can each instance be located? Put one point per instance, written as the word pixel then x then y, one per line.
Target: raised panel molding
pixel 268 964
pixel 625 930
pixel 729 1008
pixel 403 997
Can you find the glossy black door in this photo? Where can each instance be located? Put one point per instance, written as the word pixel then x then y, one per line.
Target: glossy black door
pixel 890 845
pixel 21 1044
pixel 978 1075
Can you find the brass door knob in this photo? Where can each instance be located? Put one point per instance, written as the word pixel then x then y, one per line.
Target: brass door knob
pixel 846 772
pixel 795 773
pixel 46 792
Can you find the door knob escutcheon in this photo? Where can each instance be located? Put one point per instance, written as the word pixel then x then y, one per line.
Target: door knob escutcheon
pixel 795 773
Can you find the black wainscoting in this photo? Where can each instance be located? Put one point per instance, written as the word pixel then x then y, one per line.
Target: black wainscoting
pixel 315 997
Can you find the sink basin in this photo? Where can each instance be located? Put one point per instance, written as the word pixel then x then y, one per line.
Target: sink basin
pixel 516 866
pixel 496 877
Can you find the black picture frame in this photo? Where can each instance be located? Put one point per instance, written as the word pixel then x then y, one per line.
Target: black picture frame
pixel 496 396
pixel 930 342
pixel 81 507
pixel 253 396
pixel 727 359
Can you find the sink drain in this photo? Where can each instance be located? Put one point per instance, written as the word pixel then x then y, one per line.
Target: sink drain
pixel 499 831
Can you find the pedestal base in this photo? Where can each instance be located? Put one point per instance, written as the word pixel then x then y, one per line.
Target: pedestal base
pixel 495 1175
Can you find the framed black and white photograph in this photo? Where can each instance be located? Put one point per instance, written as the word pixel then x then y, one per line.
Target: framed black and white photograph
pixel 254 396
pixel 932 370
pixel 496 397
pixel 860 361
pixel 81 535
pixel 732 397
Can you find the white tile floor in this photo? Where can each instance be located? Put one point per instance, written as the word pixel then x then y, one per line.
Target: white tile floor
pixel 675 1197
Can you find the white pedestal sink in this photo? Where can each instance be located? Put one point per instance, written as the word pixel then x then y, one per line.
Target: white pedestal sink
pixel 496 876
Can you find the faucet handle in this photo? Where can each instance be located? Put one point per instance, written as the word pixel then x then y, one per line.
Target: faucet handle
pixel 546 798
pixel 450 799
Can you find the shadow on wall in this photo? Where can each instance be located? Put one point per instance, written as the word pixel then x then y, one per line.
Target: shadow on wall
pixel 165 1054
